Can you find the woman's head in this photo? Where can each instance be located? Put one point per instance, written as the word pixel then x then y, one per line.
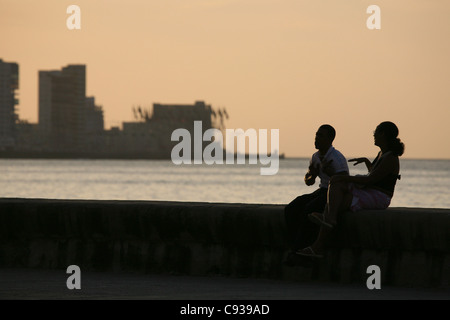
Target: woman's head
pixel 387 132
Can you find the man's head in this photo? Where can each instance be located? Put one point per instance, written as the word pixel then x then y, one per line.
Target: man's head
pixel 324 137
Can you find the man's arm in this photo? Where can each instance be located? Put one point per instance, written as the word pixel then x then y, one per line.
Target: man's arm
pixel 311 175
pixel 341 173
pixel 330 171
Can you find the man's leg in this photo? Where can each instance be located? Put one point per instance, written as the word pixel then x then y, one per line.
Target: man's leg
pixel 295 217
pixel 307 230
pixel 291 217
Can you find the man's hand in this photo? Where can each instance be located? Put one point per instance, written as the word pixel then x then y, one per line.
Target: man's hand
pixel 309 179
pixel 310 176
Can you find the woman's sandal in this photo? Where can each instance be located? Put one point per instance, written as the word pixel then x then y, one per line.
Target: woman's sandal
pixel 318 218
pixel 308 252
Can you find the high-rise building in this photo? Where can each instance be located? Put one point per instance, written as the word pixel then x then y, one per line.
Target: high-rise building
pixel 9 83
pixel 181 115
pixel 168 117
pixel 62 107
pixel 94 117
pixel 94 126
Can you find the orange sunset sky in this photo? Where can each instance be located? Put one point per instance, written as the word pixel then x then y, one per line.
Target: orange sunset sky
pixel 289 65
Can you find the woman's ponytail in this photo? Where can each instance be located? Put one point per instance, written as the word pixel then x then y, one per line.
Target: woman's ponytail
pixel 397 147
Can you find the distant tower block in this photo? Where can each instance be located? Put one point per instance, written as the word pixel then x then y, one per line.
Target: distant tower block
pixel 9 83
pixel 67 118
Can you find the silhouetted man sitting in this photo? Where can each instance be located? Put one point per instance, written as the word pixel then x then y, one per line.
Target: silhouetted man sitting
pixel 324 163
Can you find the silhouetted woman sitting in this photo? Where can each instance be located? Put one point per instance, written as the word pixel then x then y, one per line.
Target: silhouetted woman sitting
pixel 372 191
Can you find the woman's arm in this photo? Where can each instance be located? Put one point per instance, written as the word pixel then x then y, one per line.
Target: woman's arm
pixel 386 166
pixel 360 160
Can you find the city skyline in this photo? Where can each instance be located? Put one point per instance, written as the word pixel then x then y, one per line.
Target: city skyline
pixel 71 124
pixel 290 66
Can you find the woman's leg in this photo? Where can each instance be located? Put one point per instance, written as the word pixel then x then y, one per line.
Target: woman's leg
pixel 339 200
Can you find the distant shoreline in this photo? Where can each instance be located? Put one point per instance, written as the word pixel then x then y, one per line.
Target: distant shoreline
pixel 130 156
pixel 82 155
pixel 92 155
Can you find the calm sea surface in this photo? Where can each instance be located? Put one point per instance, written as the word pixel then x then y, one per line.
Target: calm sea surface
pixel 424 183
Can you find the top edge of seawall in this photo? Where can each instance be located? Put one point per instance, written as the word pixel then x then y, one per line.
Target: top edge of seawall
pixel 135 202
pixel 5 200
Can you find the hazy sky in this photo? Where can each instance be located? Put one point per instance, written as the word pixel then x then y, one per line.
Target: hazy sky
pixel 290 65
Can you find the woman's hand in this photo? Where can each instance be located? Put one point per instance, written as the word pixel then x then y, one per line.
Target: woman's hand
pixel 358 160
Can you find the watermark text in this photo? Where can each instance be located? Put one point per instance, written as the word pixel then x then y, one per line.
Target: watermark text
pixel 213 153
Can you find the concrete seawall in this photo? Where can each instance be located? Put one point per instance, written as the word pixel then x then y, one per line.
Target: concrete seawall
pixel 410 245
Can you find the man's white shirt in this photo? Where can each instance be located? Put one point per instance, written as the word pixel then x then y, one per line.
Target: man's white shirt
pixel 339 164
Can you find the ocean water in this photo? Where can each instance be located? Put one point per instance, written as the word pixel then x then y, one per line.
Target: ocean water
pixel 424 183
